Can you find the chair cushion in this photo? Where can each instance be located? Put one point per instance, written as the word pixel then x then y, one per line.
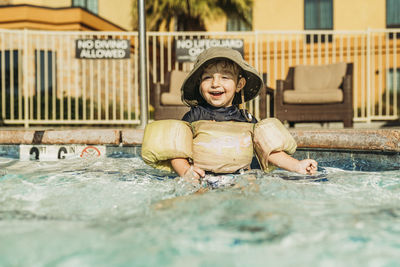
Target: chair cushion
pixel 329 95
pixel 321 77
pixel 173 97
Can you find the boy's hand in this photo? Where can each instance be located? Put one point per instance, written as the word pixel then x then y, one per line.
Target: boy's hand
pixel 285 161
pixel 307 166
pixel 194 173
pixel 184 169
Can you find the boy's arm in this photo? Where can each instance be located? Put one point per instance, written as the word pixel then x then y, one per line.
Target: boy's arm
pixel 183 168
pixel 285 161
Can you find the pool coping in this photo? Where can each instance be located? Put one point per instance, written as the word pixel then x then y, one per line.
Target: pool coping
pixel 348 139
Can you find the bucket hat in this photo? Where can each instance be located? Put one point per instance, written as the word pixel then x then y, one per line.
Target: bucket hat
pixel 190 92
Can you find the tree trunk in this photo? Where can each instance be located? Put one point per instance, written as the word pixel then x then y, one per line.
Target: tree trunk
pixel 190 24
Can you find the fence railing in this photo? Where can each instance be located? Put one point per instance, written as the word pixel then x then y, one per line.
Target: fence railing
pixel 43 81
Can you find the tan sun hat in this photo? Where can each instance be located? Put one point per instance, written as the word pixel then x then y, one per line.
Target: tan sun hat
pixel 190 92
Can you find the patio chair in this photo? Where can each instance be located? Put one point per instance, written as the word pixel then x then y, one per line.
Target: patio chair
pixel 317 93
pixel 167 97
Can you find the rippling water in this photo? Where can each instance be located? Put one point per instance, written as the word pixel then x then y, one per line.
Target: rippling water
pixel 119 212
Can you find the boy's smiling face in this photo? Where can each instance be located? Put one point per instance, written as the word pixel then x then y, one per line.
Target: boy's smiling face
pixel 219 83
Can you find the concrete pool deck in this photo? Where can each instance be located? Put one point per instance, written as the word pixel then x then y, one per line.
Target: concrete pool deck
pixel 358 138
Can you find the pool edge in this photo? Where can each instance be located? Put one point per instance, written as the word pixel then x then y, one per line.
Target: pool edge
pixel 349 139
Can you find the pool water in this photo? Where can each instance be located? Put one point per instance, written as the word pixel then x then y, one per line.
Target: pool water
pixel 120 212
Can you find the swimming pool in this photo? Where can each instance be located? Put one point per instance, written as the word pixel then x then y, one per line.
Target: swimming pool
pixel 116 211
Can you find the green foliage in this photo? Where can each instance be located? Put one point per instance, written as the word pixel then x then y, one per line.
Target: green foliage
pixel 190 15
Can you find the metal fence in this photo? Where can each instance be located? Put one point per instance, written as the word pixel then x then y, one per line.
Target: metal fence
pixel 43 81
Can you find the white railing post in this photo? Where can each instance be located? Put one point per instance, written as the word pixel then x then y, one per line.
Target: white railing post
pixel 25 79
pixel 256 63
pixel 369 107
pixel 142 64
pixel 395 78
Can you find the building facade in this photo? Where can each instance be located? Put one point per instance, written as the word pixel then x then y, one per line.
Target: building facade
pixel 74 15
pixel 319 14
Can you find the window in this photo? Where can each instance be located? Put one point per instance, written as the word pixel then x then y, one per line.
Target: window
pixel 90 5
pixel 9 84
pixel 318 15
pixel 392 78
pixel 234 23
pixel 10 79
pixel 393 13
pixel 44 67
pixel 45 83
pixel 393 16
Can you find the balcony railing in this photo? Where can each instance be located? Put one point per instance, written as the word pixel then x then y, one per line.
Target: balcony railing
pixel 43 80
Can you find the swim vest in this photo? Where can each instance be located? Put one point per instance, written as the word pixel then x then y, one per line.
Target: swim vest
pixel 219 147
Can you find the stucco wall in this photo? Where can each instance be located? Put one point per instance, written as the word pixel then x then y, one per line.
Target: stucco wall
pixel 46 3
pixel 267 15
pixel 278 15
pixel 289 15
pixel 117 11
pixel 359 14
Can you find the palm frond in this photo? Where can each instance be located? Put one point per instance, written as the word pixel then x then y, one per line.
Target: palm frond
pixel 192 13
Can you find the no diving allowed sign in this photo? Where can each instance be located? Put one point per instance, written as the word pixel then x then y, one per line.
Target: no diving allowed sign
pixel 102 49
pixel 56 152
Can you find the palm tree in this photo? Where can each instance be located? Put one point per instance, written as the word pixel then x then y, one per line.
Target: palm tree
pixel 190 15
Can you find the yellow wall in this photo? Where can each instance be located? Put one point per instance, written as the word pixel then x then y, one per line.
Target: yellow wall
pixel 267 14
pixel 270 15
pixel 216 26
pixel 117 11
pixel 359 15
pixel 278 15
pixel 289 15
pixel 45 3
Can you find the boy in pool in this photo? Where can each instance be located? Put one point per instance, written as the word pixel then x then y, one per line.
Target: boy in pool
pixel 220 80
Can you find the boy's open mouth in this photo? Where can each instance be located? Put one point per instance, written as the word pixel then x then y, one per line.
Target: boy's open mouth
pixel 216 93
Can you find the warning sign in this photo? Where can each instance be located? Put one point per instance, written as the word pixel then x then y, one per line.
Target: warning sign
pixel 189 49
pixel 102 49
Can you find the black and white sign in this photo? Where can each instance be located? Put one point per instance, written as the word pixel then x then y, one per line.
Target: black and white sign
pixel 102 49
pixel 189 49
pixel 56 152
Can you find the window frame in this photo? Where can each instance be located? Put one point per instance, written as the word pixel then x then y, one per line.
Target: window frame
pixel 15 54
pixel 392 75
pixel 40 63
pixel 305 17
pixel 12 87
pixel 86 6
pixel 394 25
pixel 318 38
pixel 240 23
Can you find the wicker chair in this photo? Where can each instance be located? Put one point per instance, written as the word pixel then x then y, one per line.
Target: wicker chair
pixel 323 94
pixel 167 97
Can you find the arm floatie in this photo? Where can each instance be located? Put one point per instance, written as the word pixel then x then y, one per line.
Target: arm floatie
pixel 270 135
pixel 164 140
